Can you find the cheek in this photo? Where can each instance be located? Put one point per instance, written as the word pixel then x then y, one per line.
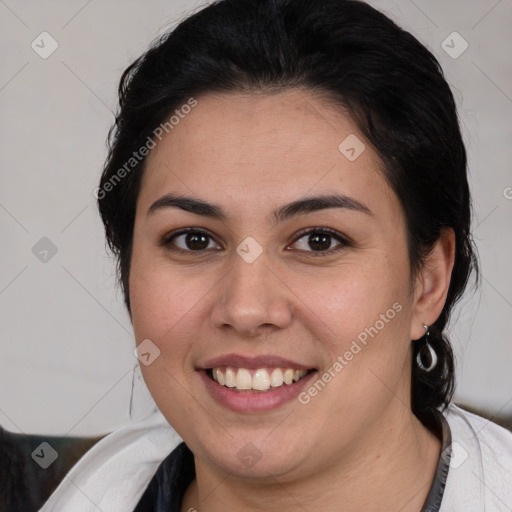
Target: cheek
pixel 364 331
pixel 163 299
pixel 353 300
pixel 165 308
pixel 362 320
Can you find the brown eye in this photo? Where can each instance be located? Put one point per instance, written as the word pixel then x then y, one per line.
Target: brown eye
pixel 196 241
pixel 321 240
pixel 190 240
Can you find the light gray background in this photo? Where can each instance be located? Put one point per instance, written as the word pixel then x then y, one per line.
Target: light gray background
pixel 66 357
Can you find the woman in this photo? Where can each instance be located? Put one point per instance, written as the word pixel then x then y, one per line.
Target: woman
pixel 286 194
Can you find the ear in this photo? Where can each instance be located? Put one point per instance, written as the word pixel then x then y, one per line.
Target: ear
pixel 432 283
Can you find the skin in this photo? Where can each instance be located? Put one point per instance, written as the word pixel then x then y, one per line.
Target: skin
pixel 357 442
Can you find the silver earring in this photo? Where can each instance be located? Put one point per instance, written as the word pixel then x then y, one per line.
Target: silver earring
pixel 433 355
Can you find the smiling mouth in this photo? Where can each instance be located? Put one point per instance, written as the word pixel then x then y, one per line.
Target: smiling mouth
pixel 256 380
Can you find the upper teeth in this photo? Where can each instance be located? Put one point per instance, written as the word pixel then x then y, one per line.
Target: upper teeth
pixel 262 379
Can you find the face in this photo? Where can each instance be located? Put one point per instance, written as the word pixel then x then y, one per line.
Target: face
pixel 254 283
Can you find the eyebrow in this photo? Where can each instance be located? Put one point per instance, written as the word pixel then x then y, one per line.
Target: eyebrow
pixel 287 211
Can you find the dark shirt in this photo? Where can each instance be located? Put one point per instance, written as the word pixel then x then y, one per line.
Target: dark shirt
pixel 167 487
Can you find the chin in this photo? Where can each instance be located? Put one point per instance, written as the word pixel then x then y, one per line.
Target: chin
pixel 255 457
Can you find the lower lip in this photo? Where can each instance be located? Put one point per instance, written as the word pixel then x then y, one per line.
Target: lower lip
pixel 254 402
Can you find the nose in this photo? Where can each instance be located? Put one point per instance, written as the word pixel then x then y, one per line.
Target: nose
pixel 252 300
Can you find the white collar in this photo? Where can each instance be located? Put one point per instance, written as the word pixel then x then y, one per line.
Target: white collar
pixel 115 472
pixel 480 474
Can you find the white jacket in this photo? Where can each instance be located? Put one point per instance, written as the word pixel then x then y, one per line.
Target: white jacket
pixel 114 473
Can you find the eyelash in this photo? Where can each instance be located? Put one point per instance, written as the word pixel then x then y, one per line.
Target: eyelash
pixel 344 241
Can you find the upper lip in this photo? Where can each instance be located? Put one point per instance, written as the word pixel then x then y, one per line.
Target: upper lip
pixel 263 361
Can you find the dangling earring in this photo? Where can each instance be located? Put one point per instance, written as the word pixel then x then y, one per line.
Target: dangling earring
pixel 432 353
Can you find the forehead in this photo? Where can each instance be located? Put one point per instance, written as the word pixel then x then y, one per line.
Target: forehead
pixel 262 148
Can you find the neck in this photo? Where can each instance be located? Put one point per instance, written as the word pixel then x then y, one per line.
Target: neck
pixel 392 470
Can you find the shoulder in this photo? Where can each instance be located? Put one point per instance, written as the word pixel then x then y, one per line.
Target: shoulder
pixel 494 441
pixel 480 473
pixel 115 472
